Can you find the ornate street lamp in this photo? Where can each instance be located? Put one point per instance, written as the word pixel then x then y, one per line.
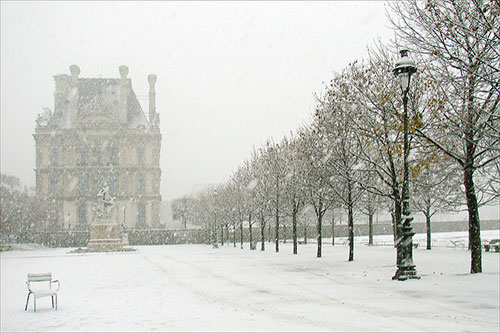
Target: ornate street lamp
pixel 403 70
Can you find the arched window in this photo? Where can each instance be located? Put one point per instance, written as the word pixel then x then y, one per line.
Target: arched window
pixel 82 184
pixel 140 156
pixel 141 186
pixel 82 157
pixel 141 215
pixel 82 216
pixel 53 156
pixel 53 185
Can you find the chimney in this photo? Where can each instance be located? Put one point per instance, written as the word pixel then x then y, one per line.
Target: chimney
pixel 63 82
pixel 152 100
pixel 74 93
pixel 123 94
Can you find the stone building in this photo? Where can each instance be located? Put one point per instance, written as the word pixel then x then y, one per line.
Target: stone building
pixel 99 135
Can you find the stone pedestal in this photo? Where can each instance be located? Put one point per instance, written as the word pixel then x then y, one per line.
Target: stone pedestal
pixel 105 235
pixel 125 240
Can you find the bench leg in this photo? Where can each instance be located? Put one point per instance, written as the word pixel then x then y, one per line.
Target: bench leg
pixel 52 298
pixel 56 300
pixel 27 300
pixel 34 303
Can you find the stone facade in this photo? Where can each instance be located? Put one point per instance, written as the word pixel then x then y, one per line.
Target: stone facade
pixel 99 135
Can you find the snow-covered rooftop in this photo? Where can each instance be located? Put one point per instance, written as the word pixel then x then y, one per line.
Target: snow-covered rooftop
pixel 96 96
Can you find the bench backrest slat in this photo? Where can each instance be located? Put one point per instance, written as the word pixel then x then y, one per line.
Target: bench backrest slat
pixel 40 277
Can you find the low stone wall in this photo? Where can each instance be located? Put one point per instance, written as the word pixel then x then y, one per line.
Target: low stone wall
pixel 386 228
pixel 71 238
pixel 76 238
pixel 163 236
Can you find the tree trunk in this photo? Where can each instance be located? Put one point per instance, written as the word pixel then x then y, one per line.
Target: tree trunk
pixel 294 228
pixel 470 191
pixel 319 227
pixel 222 234
pixel 428 225
pixel 209 234
pixel 277 231
pixel 305 233
pixel 262 227
pixel 350 221
pixel 370 228
pixel 250 230
pixel 474 224
pixel 241 232
pixel 215 234
pixel 269 232
pixel 234 234
pixel 333 229
pixel 394 229
pixel 351 232
pixel 284 233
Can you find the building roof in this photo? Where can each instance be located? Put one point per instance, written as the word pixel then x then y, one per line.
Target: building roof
pixel 98 99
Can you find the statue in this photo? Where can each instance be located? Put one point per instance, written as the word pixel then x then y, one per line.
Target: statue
pixel 105 233
pixel 104 203
pixel 67 220
pixel 42 120
pixel 157 120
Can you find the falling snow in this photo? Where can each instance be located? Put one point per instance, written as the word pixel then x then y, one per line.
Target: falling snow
pixel 197 288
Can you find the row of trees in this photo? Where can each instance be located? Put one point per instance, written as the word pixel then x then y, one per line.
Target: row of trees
pixel 350 155
pixel 21 211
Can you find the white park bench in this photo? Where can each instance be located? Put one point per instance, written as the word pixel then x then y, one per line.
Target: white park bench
pixel 40 285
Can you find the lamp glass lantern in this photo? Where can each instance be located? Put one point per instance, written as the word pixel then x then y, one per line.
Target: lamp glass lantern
pixel 404 69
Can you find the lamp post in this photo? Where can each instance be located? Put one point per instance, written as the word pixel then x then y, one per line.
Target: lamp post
pixel 403 70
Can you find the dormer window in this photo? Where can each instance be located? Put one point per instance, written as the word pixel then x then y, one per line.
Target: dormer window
pixel 97 156
pixel 140 183
pixel 140 156
pixel 53 184
pixel 82 157
pixel 113 156
pixel 53 157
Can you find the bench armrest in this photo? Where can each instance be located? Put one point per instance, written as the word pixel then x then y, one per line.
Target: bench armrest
pixel 58 284
pixel 28 285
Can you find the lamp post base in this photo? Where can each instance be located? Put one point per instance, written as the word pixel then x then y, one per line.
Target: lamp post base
pixel 406 272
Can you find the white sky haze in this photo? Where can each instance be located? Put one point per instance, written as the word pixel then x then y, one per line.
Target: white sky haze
pixel 230 74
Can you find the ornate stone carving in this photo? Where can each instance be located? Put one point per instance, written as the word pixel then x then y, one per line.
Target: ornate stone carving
pixel 104 203
pixel 42 120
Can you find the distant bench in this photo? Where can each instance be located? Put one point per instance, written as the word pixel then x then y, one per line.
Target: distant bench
pixel 457 243
pixel 35 284
pixel 493 245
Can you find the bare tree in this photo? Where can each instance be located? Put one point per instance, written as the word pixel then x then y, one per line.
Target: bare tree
pixel 261 170
pixel 292 194
pixel 370 202
pixel 247 182
pixel 379 126
pixel 436 189
pixel 277 174
pixel 461 40
pixel 180 210
pixel 315 177
pixel 343 148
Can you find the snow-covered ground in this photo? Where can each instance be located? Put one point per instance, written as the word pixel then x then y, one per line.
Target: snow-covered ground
pixel 197 288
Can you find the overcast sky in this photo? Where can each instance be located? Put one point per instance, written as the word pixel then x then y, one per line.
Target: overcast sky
pixel 230 74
